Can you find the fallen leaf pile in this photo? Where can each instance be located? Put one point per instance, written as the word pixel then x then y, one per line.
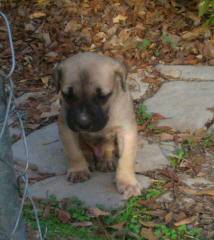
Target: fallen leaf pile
pixel 141 33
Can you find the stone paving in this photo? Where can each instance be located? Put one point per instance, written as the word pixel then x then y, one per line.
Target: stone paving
pixel 187 103
pixel 98 190
pixel 186 72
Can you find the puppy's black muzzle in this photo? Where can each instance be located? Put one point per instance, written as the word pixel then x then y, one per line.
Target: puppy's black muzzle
pixel 89 118
pixel 84 121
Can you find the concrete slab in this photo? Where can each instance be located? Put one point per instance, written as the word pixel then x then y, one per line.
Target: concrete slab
pixel 184 104
pixel 187 72
pixel 99 189
pixel 150 157
pixel 45 150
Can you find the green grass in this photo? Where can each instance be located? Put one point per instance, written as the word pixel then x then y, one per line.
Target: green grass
pixel 206 10
pixel 190 146
pixel 143 45
pixel 208 141
pixel 143 115
pixel 178 157
pixel 181 233
pixel 130 217
pixel 54 227
pixel 166 39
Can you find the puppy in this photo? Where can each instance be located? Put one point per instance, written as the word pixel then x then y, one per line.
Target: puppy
pixel 97 121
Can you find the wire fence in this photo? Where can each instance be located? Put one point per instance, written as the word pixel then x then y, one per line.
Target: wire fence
pixel 11 108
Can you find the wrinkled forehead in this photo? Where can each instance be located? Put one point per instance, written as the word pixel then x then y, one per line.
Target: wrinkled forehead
pixel 87 79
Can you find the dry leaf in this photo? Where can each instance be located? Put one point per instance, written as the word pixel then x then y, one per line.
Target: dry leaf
pixel 142 127
pixel 209 192
pixel 166 137
pixel 157 117
pixel 45 80
pixel 63 216
pixel 86 33
pixel 148 234
pixel 148 224
pixel 111 31
pixel 196 32
pixel 37 15
pixel 168 218
pixel 124 34
pixel 32 125
pixel 118 226
pixel 208 49
pixel 100 37
pixel 46 212
pixel 82 224
pixel 170 173
pixel 49 114
pixel 46 37
pixel 180 216
pixel 187 190
pixel 151 203
pixel 119 18
pixel 196 19
pixel 211 109
pixel 157 213
pixel 96 212
pixel 42 2
pixel 191 60
pixel 186 221
pixel 72 26
pixel 114 42
pixel 29 27
pixel 199 134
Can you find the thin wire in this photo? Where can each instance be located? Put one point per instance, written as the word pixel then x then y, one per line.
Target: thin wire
pixel 21 207
pixel 13 64
pixel 10 39
pixel 25 142
pixel 11 104
pixel 35 214
pixel 7 114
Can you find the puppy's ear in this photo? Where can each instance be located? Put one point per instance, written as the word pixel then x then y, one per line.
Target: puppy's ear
pixel 121 75
pixel 57 76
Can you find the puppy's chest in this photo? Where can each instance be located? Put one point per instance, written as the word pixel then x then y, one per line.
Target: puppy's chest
pixel 96 139
pixel 97 143
pixel 92 139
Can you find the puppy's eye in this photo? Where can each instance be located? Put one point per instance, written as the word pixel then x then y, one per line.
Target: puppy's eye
pixel 70 96
pixel 102 98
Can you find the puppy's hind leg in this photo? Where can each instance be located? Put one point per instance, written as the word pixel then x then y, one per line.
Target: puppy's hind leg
pixel 78 167
pixel 89 154
pixel 108 162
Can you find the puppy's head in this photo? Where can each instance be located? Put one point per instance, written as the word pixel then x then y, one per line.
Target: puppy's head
pixel 89 85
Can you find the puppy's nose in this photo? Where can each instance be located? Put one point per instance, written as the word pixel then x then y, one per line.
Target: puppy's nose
pixel 84 120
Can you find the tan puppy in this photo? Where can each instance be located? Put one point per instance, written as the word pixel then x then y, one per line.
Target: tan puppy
pixel 97 121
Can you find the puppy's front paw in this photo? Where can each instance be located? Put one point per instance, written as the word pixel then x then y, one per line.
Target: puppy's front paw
pixel 106 165
pixel 78 176
pixel 128 186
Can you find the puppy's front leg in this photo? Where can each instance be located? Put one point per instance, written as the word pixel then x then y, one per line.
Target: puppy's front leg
pixel 125 175
pixel 78 167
